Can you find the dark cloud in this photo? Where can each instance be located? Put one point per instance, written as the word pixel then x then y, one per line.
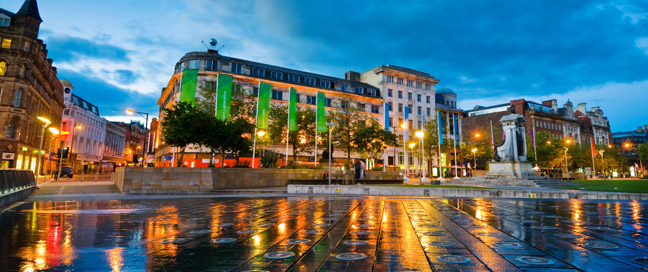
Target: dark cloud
pixel 66 48
pixel 126 76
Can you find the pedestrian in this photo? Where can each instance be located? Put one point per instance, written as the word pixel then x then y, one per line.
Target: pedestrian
pixel 356 167
pixel 362 169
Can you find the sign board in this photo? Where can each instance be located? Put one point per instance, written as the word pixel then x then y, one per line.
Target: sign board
pixel 205 160
pixel 588 171
pixel 8 156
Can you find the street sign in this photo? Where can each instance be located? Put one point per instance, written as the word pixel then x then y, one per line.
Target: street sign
pixel 588 171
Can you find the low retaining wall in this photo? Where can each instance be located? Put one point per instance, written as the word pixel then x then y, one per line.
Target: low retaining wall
pixel 456 192
pixel 15 185
pixel 16 196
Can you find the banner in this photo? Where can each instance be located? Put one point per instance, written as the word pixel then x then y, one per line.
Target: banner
pixel 593 147
pixel 387 123
pixel 406 124
pixel 321 113
pixel 533 138
pixel 454 127
pixel 224 97
pixel 440 118
pixel 188 86
pixel 263 105
pixel 292 110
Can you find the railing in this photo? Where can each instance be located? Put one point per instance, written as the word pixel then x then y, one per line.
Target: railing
pixel 12 180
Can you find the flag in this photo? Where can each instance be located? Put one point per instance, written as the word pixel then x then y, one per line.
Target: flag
pixel 263 105
pixel 454 127
pixel 387 124
pixel 292 110
pixel 593 148
pixel 224 97
pixel 321 113
pixel 188 86
pixel 533 138
pixel 406 124
pixel 440 128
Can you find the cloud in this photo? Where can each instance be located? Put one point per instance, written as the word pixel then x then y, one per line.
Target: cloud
pixel 72 49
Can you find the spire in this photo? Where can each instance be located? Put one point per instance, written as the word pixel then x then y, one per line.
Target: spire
pixel 30 8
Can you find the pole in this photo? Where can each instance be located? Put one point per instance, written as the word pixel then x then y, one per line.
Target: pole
pixel 454 142
pixel 395 161
pixel 254 146
pixel 71 145
pixel 48 153
pixel 535 153
pixel 173 157
pixel 474 161
pixel 329 156
pixel 439 144
pixel 58 172
pixel 593 165
pixel 145 139
pixel 492 138
pixel 566 167
pixel 287 140
pixel 40 147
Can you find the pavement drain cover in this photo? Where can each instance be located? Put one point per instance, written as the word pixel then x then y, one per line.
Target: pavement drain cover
pixel 430 226
pixel 490 234
pixel 598 228
pixel 225 225
pixel 641 260
pixel 204 231
pixel 224 240
pixel 266 225
pixel 273 219
pixel 195 219
pixel 569 235
pixel 534 260
pixel 246 231
pixel 442 244
pixel 366 226
pixel 322 225
pixel 355 243
pixel 528 221
pixel 455 259
pixel 360 232
pixel 350 256
pixel 551 216
pixel 279 255
pixel 602 245
pixel 545 228
pixel 312 231
pixel 298 241
pixel 434 233
pixel 508 245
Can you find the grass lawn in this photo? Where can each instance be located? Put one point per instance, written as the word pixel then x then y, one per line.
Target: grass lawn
pixel 626 186
pixel 434 186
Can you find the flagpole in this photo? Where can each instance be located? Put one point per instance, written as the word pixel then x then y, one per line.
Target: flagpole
pixel 593 152
pixel 492 138
pixel 288 127
pixel 454 128
pixel 439 141
pixel 316 100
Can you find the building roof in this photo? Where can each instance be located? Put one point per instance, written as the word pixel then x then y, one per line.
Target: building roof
pixel 445 91
pixel 82 103
pixel 30 8
pixel 66 82
pixel 6 12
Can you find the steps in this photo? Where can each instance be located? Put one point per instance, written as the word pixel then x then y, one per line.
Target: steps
pixel 488 181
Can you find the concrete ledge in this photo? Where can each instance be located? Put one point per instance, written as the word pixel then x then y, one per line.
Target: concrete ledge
pixel 16 196
pixel 457 192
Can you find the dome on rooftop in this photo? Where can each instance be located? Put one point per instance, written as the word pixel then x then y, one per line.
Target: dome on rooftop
pixel 445 91
pixel 65 82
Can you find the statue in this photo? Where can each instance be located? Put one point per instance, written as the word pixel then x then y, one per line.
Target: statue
pixel 513 146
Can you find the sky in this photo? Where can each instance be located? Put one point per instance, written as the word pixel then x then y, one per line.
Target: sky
pixel 119 54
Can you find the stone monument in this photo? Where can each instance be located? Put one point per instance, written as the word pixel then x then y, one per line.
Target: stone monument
pixel 510 158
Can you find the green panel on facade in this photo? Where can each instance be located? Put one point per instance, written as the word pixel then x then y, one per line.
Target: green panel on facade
pixel 188 88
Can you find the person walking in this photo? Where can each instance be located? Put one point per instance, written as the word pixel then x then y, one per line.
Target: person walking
pixel 356 167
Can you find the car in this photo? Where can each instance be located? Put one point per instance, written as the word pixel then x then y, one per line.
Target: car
pixel 66 171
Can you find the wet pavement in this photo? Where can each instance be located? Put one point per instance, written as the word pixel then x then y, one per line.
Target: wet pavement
pixel 325 234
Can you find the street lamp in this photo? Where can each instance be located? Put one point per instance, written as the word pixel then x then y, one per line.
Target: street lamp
pixel 474 150
pixel 46 124
pixel 603 162
pixel 55 132
pixel 566 167
pixel 143 114
pixel 420 134
pixel 259 133
pixel 329 151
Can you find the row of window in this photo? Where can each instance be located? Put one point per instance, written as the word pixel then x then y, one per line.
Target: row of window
pixel 22 73
pixel 547 125
pixel 410 96
pixel 312 100
pixel 409 82
pixel 419 109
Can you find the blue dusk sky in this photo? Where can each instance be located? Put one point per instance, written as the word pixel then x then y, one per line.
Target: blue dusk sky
pixel 121 53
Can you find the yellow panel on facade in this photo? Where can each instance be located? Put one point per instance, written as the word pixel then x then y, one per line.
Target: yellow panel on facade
pixel 6 43
pixel 19 162
pixel 3 68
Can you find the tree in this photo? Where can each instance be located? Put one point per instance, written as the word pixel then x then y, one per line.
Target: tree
pixel 238 137
pixel 372 140
pixel 642 152
pixel 300 140
pixel 548 150
pixel 182 126
pixel 346 120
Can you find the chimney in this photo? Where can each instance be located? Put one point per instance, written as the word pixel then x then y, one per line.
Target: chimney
pixel 352 76
pixel 582 108
pixel 546 103
pixel 639 129
pixel 554 105
pixel 646 128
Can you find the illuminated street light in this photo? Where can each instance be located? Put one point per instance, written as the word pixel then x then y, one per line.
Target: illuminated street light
pixel 55 132
pixel 411 145
pixel 420 134
pixel 261 133
pixel 568 141
pixel 474 151
pixel 143 114
pixel 477 135
pixel 40 147
pixel 548 142
pixel 626 145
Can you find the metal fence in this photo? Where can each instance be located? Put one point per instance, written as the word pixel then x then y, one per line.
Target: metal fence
pixel 14 180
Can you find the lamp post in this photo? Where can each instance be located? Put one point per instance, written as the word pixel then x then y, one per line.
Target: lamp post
pixel 566 167
pixel 405 165
pixel 146 115
pixel 603 162
pixel 79 127
pixel 420 135
pixel 474 151
pixel 260 133
pixel 329 152
pixel 46 124
pixel 411 146
pixel 55 132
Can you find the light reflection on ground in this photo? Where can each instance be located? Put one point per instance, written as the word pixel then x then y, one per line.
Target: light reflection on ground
pixel 318 233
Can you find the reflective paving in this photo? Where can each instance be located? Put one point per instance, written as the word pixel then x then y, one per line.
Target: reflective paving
pixel 325 234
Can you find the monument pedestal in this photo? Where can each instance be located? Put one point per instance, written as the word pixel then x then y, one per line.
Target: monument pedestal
pixel 510 169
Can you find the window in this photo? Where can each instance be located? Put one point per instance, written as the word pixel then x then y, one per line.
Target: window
pixel 22 73
pixel 256 72
pixel 410 83
pixel 359 90
pixel 6 43
pixel 400 107
pixel 311 100
pixel 418 110
pixel 345 104
pixel 410 108
pixel 4 21
pixel 309 81
pixel 3 68
pixel 345 87
pixel 236 68
pixel 428 86
pixel 418 97
pixel 293 78
pixel 328 102
pixel 27 46
pixel 390 79
pixel 361 107
pixel 17 98
pixel 211 65
pixel 255 91
pixel 11 130
pixel 427 99
pixel 409 95
pixel 276 75
pixel 193 64
pixel 419 85
pixel 277 95
pixel 374 109
pixel 399 81
pixel 391 106
pixel 400 94
pixel 390 92
pixel 325 84
pixel 428 111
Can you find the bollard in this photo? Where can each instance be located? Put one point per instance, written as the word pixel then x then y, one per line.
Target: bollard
pixel 96 176
pixel 81 176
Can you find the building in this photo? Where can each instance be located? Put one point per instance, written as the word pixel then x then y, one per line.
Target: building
pixel 628 142
pixel 578 125
pixel 246 76
pixel 135 136
pixel 114 146
pixel 28 88
pixel 153 140
pixel 446 105
pixel 87 131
